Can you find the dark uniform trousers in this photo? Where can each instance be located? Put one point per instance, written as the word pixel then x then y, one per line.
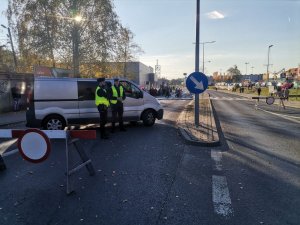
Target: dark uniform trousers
pixel 117 110
pixel 103 118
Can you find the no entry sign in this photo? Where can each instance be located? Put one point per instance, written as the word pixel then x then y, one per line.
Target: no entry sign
pixel 34 145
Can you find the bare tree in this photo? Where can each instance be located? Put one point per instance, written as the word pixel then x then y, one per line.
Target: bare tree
pixel 47 33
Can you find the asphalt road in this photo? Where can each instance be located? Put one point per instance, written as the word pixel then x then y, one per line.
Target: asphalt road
pixel 260 159
pixel 148 175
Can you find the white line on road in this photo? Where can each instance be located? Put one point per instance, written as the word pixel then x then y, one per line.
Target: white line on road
pixel 217 157
pixel 6 144
pixel 221 197
pixel 10 153
pixel 291 118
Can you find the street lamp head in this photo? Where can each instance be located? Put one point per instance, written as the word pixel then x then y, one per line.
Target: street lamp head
pixel 270 46
pixel 78 18
pixel 207 42
pixel 3 26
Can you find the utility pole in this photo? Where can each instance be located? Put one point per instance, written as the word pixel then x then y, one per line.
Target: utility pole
pixel 246 67
pixel 75 39
pixel 197 61
pixel 157 70
pixel 203 43
pixel 268 62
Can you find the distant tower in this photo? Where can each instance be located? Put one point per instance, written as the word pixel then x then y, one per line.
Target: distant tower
pixel 157 70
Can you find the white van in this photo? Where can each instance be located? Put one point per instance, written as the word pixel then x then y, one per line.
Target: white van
pixel 57 102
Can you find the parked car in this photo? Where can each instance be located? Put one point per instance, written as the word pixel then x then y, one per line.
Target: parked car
pixel 58 102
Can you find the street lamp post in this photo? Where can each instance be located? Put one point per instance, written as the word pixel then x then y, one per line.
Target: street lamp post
pixel 12 45
pixel 268 61
pixel 246 67
pixel 203 43
pixel 197 60
pixel 184 74
pixel 203 69
pixel 75 40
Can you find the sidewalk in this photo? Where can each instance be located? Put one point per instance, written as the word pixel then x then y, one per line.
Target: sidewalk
pixel 206 133
pixel 12 117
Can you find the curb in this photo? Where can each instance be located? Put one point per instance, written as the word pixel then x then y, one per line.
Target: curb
pixel 194 141
pixel 191 141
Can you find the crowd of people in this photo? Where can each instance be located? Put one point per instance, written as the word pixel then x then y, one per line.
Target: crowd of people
pixel 166 91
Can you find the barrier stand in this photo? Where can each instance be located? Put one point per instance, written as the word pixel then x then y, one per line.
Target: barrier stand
pixel 86 161
pixel 269 100
pixel 34 146
pixel 2 164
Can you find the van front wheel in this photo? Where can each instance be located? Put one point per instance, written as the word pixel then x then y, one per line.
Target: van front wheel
pixel 54 123
pixel 148 118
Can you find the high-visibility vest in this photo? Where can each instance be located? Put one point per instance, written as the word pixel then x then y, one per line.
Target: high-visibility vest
pixel 101 100
pixel 115 94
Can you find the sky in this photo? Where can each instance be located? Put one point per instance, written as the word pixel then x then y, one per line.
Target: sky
pixel 242 30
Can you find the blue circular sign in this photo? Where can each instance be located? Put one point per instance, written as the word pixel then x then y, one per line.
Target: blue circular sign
pixel 197 82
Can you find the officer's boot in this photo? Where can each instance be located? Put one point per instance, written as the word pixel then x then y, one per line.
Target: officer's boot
pixel 122 128
pixel 112 127
pixel 103 134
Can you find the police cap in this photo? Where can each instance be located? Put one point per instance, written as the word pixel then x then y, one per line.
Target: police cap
pixel 101 79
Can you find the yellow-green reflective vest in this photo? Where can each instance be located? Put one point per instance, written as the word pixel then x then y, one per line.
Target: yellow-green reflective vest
pixel 115 94
pixel 100 100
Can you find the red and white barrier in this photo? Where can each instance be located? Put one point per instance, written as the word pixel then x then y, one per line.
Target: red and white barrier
pixel 34 146
pixel 51 134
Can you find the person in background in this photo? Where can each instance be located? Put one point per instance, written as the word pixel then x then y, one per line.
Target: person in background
pixel 258 91
pixel 16 94
pixel 116 97
pixel 102 103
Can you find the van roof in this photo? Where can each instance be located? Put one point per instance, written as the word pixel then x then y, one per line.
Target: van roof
pixel 75 79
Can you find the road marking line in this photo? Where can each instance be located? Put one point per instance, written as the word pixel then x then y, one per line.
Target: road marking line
pixel 229 99
pixel 291 118
pixel 10 153
pixel 217 157
pixel 220 196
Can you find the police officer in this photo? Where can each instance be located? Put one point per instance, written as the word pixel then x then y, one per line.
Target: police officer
pixel 102 103
pixel 117 96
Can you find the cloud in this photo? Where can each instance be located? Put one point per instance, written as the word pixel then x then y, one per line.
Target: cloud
pixel 215 15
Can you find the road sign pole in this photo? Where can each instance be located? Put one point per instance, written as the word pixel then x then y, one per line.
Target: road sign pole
pixel 197 62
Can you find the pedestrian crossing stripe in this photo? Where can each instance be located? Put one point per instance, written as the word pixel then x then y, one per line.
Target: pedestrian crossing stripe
pixel 229 99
